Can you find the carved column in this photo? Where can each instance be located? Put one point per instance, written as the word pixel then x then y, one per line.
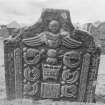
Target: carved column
pixel 18 72
pixel 13 68
pixel 83 77
pixel 92 77
pixel 9 69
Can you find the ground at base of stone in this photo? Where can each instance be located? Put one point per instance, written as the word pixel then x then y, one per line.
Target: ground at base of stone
pixel 43 102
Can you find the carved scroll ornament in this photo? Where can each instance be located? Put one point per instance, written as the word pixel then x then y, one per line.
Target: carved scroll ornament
pixel 70 77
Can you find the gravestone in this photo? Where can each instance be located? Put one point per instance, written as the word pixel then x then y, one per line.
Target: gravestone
pixel 52 60
pixel 98 32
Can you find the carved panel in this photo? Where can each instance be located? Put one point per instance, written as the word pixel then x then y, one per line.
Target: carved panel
pixel 18 72
pixel 9 71
pixel 31 75
pixel 90 93
pixel 83 77
pixel 50 90
pixel 50 71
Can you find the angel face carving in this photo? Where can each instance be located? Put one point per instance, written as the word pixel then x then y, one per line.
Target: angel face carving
pixel 32 56
pixel 72 59
pixel 54 26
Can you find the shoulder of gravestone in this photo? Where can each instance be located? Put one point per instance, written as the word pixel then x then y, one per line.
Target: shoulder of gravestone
pixel 33 30
pixel 12 41
pixel 81 35
pixel 84 37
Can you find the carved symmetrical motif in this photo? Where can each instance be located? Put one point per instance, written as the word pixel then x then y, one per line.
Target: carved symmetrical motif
pixel 57 61
pixel 50 90
pixel 18 72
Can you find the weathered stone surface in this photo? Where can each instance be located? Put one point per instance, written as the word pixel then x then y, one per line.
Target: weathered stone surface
pixel 57 62
pixel 98 32
pixel 43 102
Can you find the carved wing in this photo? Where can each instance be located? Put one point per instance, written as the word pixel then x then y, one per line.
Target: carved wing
pixel 34 41
pixel 71 43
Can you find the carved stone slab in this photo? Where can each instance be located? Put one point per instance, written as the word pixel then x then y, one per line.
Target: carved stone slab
pixel 53 60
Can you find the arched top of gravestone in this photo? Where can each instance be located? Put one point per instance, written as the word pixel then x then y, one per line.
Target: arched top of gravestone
pixel 47 15
pixel 60 18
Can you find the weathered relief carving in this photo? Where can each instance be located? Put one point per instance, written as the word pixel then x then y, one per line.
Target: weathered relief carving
pixel 70 77
pixel 18 72
pixel 57 59
pixel 31 75
pixel 69 91
pixel 50 90
pixel 31 89
pixel 72 59
pixel 83 76
pixel 50 71
pixel 32 56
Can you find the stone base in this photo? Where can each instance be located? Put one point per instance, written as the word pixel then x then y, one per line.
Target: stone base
pixel 43 102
